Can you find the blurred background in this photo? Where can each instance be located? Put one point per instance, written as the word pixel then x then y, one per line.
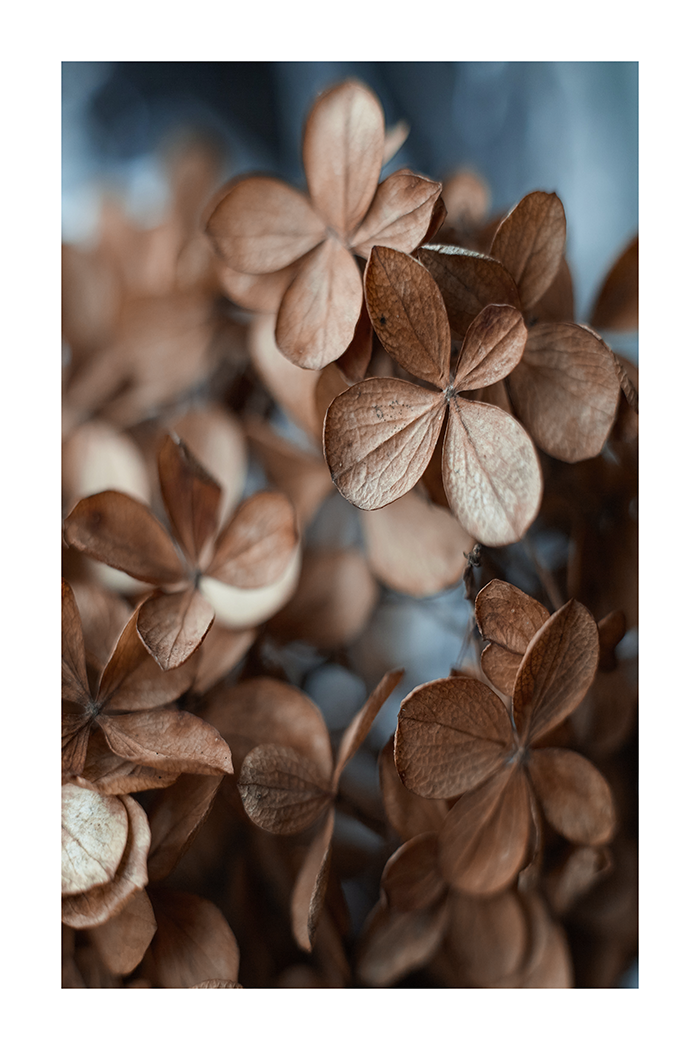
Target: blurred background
pixel 568 127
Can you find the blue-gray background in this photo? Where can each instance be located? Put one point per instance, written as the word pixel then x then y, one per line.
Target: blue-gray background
pixel 570 127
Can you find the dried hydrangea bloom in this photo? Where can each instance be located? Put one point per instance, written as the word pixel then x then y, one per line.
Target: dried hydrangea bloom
pixel 380 434
pixel 456 738
pixel 263 226
pixel 199 568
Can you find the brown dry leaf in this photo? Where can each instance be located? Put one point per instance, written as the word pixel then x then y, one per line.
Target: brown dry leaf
pixel 111 775
pixel 310 885
pixel 415 546
pixel 468 282
pixel 556 671
pixel 507 619
pixel 120 531
pixel 175 741
pixel 452 734
pixel 332 603
pixel 256 546
pixel 566 390
pixel 122 941
pixel 530 243
pixel 617 304
pixel 94 832
pixel 483 842
pixel 409 814
pixel 193 943
pixel 411 879
pixel 392 944
pixel 399 216
pixel 175 817
pixel 575 798
pixel 98 905
pixel 282 791
pixel 172 626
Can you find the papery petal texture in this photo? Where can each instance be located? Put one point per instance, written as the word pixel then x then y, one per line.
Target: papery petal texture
pixel 575 797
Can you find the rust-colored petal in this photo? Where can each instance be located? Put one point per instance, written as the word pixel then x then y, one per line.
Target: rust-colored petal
pixel 301 475
pixel 360 725
pixel 394 943
pixel 292 387
pixel 566 390
pixel 119 531
pixel 483 842
pixel 194 942
pixel 399 215
pixel 575 797
pixel 175 741
pixel 133 681
pixel 282 790
pixel 263 225
pixel 617 304
pixel 491 472
pixel 411 878
pixel 415 546
pixel 507 618
pixel 409 814
pixel 342 153
pixel 112 775
pixel 191 497
pixel 320 309
pixel 74 681
pixel 408 314
pixel 175 817
pixel 556 671
pixel 260 292
pixel 94 831
pixel 452 734
pixel 171 626
pixel 310 886
pixel 256 546
pixel 492 347
pixel 530 243
pixel 378 438
pixel 487 937
pixel 468 282
pixel 266 710
pixel 122 941
pixel 98 905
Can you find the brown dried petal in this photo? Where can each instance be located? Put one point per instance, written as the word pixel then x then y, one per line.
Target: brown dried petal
pixel 111 775
pixel 468 282
pixel 411 878
pixel 394 943
pixel 301 475
pixel 342 153
pixel 361 723
pixel 257 545
pixel 268 711
pixel 617 304
pixel 263 225
pixel 409 814
pixel 121 532
pixel 487 937
pixel 491 472
pixel 75 737
pixel 492 347
pixel 556 671
pixel 175 741
pixel 399 215
pixel 94 832
pixel 530 243
pixel 507 618
pixel 123 940
pixel 74 681
pixel 260 292
pixel 408 314
pixel 320 309
pixel 133 681
pixel 194 943
pixel 292 387
pixel 172 626
pixel 566 390
pixel 191 497
pixel 452 734
pixel 282 790
pixel 378 438
pixel 175 817
pixel 310 886
pixel 575 798
pixel 415 546
pixel 483 842
pixel 97 906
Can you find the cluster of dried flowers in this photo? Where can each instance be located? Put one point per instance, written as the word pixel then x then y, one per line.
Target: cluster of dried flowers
pixel 226 372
